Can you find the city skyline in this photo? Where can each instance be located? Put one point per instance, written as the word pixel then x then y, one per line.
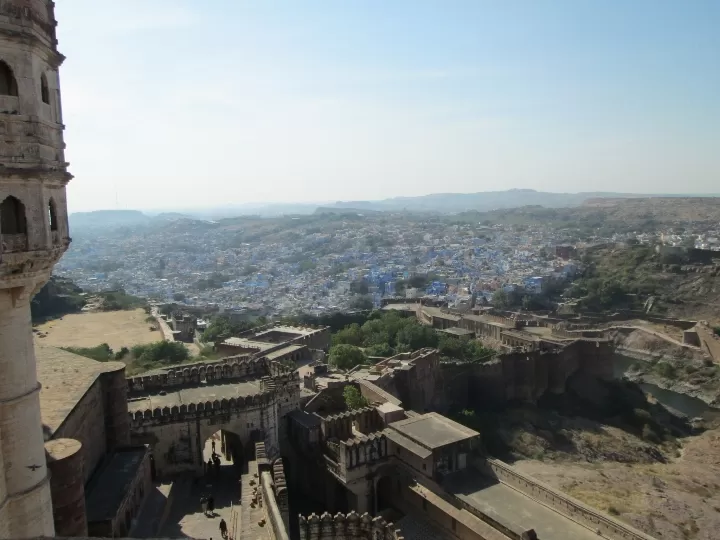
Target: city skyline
pixel 174 106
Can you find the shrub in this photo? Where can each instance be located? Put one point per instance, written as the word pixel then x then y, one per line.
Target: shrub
pixel 666 370
pixel 100 353
pixel 353 398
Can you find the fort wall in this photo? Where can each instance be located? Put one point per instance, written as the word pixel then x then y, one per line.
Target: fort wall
pixel 604 525
pixel 349 526
pixel 709 340
pixel 177 434
pixel 237 367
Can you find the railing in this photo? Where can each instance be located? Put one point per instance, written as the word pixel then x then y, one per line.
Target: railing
pixel 14 243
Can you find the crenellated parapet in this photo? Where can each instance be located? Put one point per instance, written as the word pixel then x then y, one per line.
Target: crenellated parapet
pixel 340 426
pixel 193 411
pixel 349 526
pixel 363 452
pixel 231 368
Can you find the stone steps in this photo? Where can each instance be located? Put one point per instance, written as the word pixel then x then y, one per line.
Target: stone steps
pixel 251 513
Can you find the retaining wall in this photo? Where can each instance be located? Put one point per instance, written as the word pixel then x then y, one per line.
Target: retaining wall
pixel 573 509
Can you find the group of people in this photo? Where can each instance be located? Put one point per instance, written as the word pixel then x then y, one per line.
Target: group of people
pixel 208 501
pixel 208 505
pixel 213 461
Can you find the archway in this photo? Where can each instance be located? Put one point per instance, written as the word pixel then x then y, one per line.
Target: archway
pixel 8 84
pixel 12 216
pixel 385 494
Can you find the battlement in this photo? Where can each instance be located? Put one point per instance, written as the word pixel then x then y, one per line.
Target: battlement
pixel 348 526
pixel 340 426
pixel 236 367
pixel 191 411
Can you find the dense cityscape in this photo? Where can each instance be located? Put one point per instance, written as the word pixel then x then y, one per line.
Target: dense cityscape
pixel 332 262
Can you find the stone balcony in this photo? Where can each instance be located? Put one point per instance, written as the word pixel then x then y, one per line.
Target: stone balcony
pixel 14 243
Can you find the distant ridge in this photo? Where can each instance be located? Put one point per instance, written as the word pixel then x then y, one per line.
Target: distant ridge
pixel 445 203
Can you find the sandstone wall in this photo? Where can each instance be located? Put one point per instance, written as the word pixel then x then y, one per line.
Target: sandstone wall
pixel 348 526
pixel 86 424
pixel 575 510
pixel 526 376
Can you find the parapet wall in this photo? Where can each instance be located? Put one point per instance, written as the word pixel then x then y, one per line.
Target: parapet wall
pixel 340 426
pixel 710 341
pixel 237 367
pixel 347 526
pixel 288 388
pixel 273 487
pixel 604 525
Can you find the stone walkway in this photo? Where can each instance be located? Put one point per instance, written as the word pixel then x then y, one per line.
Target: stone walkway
pixel 187 518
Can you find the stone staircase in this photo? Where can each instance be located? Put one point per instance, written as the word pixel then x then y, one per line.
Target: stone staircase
pixel 251 513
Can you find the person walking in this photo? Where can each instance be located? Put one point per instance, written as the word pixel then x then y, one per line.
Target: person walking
pixel 204 504
pixel 211 505
pixel 213 446
pixel 223 528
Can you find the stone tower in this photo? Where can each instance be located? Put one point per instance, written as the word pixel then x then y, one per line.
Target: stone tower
pixel 34 234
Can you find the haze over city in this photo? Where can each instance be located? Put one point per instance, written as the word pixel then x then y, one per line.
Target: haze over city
pixel 178 104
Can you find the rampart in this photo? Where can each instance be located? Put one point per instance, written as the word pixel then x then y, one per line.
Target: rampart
pixel 604 525
pixel 236 367
pixel 273 486
pixel 710 341
pixel 348 526
pixel 274 389
pixel 340 426
pixel 527 375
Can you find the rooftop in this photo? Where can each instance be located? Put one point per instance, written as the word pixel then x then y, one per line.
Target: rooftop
pixel 65 378
pixel 432 430
pixel 109 486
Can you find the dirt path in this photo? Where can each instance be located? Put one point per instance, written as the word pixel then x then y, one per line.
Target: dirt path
pixel 116 328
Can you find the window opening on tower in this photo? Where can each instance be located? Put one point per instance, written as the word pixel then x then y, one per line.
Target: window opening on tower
pixel 8 84
pixel 12 216
pixel 44 91
pixel 52 213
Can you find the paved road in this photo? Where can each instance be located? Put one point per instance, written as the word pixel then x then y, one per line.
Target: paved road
pixel 187 518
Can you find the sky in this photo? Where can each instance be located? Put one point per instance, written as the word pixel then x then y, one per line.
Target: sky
pixel 172 104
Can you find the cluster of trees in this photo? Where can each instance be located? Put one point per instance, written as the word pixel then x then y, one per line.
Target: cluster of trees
pixel 148 355
pixel 221 328
pixel 389 333
pixel 213 281
pixel 616 280
pixel 120 300
pixel 165 352
pixel 100 353
pixel 57 298
pixel 353 398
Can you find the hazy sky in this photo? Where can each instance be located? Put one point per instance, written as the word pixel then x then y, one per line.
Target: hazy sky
pixel 179 103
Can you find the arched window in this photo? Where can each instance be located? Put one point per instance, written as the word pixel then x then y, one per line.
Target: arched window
pixel 44 91
pixel 12 217
pixel 52 214
pixel 8 84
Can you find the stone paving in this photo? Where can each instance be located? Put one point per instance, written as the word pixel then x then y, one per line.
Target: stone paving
pixel 187 518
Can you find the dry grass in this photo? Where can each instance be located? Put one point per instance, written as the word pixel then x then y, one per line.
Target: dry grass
pixel 116 328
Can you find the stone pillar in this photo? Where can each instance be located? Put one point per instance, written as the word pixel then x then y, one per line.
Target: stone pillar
pixel 26 508
pixel 65 463
pixel 117 419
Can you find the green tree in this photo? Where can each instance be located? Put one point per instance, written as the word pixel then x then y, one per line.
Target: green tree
pixel 346 356
pixel 350 335
pixel 362 303
pixel 353 398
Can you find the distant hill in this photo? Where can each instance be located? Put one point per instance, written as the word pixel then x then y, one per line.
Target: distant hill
pixel 100 219
pixel 107 218
pixel 485 200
